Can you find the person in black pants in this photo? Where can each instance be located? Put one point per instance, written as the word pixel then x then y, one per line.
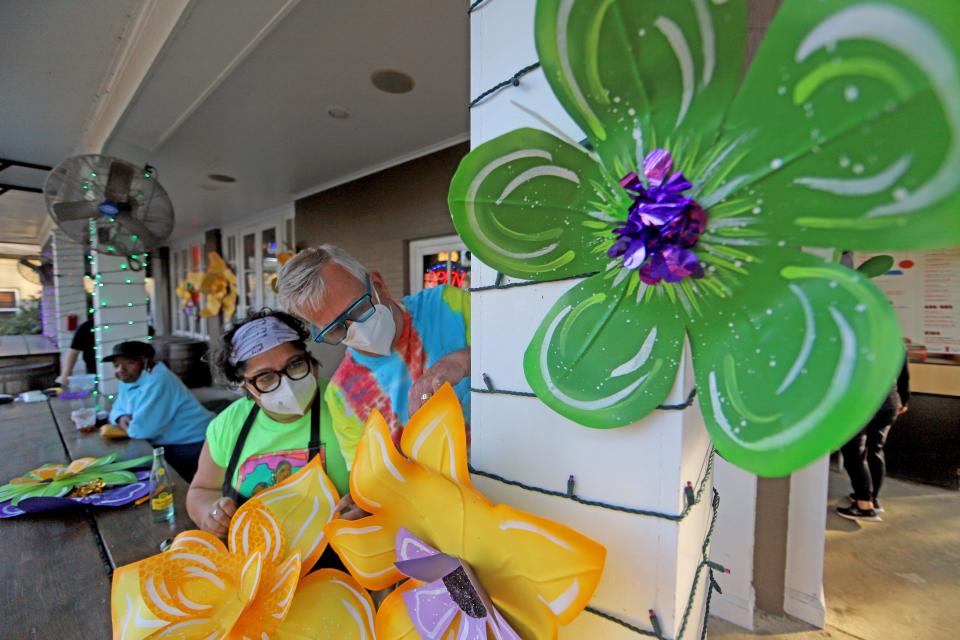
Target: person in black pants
pixel 82 344
pixel 863 456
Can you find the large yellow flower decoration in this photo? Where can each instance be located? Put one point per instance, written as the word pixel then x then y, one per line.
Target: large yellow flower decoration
pixel 188 290
pixel 536 573
pixel 258 587
pixel 219 286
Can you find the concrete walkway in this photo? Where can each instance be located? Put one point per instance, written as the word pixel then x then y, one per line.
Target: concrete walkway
pixel 894 580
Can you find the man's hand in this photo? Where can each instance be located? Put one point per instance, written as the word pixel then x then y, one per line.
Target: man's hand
pixel 451 368
pixel 902 410
pixel 217 519
pixel 124 422
pixel 349 508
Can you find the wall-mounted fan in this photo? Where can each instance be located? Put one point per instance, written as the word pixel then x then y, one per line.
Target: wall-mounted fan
pixel 125 204
pixel 36 269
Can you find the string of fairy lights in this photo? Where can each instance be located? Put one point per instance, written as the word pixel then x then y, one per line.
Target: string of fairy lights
pixel 692 498
pixel 133 269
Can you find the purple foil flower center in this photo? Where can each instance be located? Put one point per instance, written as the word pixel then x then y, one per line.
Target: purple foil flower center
pixel 662 225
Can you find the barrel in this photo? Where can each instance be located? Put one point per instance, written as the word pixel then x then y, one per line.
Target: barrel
pixel 185 358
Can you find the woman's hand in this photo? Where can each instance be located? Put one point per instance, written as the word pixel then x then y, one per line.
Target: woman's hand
pixel 451 368
pixel 217 520
pixel 350 509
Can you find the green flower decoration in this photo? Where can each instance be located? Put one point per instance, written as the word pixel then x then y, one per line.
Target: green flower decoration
pixel 844 133
pixel 57 480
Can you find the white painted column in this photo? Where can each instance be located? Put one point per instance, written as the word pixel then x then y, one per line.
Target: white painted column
pixel 71 298
pixel 651 562
pixel 119 298
pixel 803 596
pixel 734 543
pixel 48 313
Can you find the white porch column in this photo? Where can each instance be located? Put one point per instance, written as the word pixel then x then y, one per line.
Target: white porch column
pixel 70 297
pixel 121 312
pixel 653 563
pixel 48 313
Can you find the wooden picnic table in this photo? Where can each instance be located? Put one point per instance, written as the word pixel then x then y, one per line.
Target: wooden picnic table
pixel 58 567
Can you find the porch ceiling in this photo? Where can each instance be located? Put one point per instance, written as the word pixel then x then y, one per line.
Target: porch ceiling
pixel 236 90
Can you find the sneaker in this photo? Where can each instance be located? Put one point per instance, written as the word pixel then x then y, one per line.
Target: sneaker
pixel 876 503
pixel 856 513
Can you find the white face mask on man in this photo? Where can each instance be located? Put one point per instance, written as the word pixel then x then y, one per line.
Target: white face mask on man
pixel 376 333
pixel 292 397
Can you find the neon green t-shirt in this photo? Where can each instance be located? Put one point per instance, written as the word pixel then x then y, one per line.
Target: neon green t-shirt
pixel 273 450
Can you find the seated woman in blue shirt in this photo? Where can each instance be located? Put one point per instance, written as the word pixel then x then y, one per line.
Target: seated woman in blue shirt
pixel 153 404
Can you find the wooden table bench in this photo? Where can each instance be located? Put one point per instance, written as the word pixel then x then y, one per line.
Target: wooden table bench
pixel 58 567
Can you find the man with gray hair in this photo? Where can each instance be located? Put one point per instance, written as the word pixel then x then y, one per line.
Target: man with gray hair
pixel 399 352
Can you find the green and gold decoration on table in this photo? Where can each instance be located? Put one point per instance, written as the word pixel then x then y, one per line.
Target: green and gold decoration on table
pixel 79 478
pixel 690 202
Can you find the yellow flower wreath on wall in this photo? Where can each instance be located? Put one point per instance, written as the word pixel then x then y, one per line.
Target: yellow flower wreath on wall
pixel 217 285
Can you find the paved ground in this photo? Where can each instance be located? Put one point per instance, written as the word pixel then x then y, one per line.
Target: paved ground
pixel 894 580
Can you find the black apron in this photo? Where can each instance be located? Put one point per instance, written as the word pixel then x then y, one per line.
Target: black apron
pixel 313 448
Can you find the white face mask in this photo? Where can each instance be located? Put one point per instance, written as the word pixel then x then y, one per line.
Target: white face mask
pixel 376 334
pixel 292 397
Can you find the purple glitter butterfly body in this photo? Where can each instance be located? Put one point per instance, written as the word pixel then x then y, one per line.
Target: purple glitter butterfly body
pixel 450 588
pixel 662 224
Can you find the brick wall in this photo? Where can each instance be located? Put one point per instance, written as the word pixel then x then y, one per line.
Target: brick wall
pixel 376 217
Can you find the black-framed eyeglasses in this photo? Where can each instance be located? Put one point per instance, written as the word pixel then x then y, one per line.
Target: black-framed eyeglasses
pixel 267 381
pixel 360 311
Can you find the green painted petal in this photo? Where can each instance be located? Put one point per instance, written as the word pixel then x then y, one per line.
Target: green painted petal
pixel 851 114
pixel 641 74
pixel 795 362
pixel 603 359
pixel 523 204
pixel 876 266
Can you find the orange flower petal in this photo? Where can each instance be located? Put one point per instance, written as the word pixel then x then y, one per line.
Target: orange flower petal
pixel 380 475
pixel 132 618
pixel 76 466
pixel 329 604
pixel 436 438
pixel 368 548
pixel 253 529
pixel 303 504
pixel 272 601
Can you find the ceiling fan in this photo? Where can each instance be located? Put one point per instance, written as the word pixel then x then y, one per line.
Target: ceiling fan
pixel 121 205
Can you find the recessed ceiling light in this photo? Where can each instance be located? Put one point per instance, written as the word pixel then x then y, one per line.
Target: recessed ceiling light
pixel 391 81
pixel 219 177
pixel 338 112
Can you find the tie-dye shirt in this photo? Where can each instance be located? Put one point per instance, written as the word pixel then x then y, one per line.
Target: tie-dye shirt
pixel 436 323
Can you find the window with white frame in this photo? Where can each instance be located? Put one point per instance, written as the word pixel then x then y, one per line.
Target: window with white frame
pixel 9 300
pixel 438 261
pixel 186 259
pixel 254 252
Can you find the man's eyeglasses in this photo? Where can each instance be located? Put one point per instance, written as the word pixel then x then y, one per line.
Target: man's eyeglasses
pixel 267 381
pixel 360 311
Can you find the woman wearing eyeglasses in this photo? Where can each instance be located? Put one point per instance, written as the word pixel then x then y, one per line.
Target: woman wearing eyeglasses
pixel 274 430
